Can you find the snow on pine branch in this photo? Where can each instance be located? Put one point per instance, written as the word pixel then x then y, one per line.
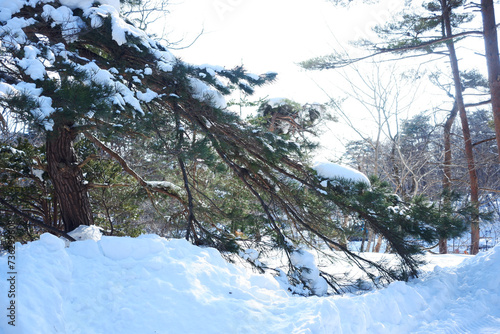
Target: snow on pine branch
pixel 44 107
pixel 332 171
pixel 169 186
pixel 37 52
pixel 203 93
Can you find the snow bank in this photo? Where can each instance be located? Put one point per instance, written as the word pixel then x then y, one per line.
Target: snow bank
pixel 83 232
pixel 152 285
pixel 85 4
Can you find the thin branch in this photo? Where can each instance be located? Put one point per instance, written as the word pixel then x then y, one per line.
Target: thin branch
pixel 490 190
pixel 87 160
pixel 477 104
pixel 484 141
pixel 428 43
pixel 36 221
pixel 380 51
pixel 100 185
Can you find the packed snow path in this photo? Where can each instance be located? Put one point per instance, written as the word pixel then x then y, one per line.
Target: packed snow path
pixel 153 285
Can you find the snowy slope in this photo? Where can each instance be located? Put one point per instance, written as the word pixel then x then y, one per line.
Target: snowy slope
pixel 152 285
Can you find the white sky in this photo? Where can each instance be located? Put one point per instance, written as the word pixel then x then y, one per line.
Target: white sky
pixel 274 35
pixel 268 35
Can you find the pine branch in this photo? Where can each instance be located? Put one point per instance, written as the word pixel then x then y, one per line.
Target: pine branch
pixel 343 62
pixel 35 221
pixel 131 172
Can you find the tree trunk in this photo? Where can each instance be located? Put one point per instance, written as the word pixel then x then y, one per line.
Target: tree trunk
pixel 492 61
pixel 474 186
pixel 395 168
pixel 258 236
pixel 345 224
pixel 443 246
pixel 443 242
pixel 67 178
pixel 371 237
pixel 363 239
pixel 378 244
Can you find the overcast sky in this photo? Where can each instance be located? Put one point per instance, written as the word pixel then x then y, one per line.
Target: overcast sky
pixel 273 35
pixel 269 35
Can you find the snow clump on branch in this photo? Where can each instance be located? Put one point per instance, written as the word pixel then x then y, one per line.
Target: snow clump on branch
pixel 332 171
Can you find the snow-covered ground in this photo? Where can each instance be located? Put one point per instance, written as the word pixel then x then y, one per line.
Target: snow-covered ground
pixel 153 285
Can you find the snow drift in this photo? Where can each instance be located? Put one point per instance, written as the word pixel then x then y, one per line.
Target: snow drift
pixel 153 285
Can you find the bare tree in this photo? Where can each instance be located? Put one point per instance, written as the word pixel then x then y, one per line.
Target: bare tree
pixel 379 100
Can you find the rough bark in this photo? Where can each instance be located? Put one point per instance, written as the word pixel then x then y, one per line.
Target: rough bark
pixel 493 61
pixel 474 186
pixel 363 240
pixel 395 169
pixel 447 147
pixel 67 178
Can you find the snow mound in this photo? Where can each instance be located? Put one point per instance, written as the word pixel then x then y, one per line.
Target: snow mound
pixel 83 232
pixel 305 261
pixel 153 285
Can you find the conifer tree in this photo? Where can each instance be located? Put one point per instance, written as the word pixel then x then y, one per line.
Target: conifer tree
pixel 77 69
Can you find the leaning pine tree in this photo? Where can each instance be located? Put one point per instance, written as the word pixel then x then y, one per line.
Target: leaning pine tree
pixel 77 69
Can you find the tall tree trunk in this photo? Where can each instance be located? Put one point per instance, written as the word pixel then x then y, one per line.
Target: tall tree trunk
pixel 474 186
pixel 395 168
pixel 364 238
pixel 378 244
pixel 371 237
pixel 67 178
pixel 493 61
pixel 443 242
pixel 345 224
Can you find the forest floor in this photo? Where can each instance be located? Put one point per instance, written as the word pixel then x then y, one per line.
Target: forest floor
pixel 153 285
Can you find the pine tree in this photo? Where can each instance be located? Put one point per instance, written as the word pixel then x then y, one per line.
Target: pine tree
pixel 77 71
